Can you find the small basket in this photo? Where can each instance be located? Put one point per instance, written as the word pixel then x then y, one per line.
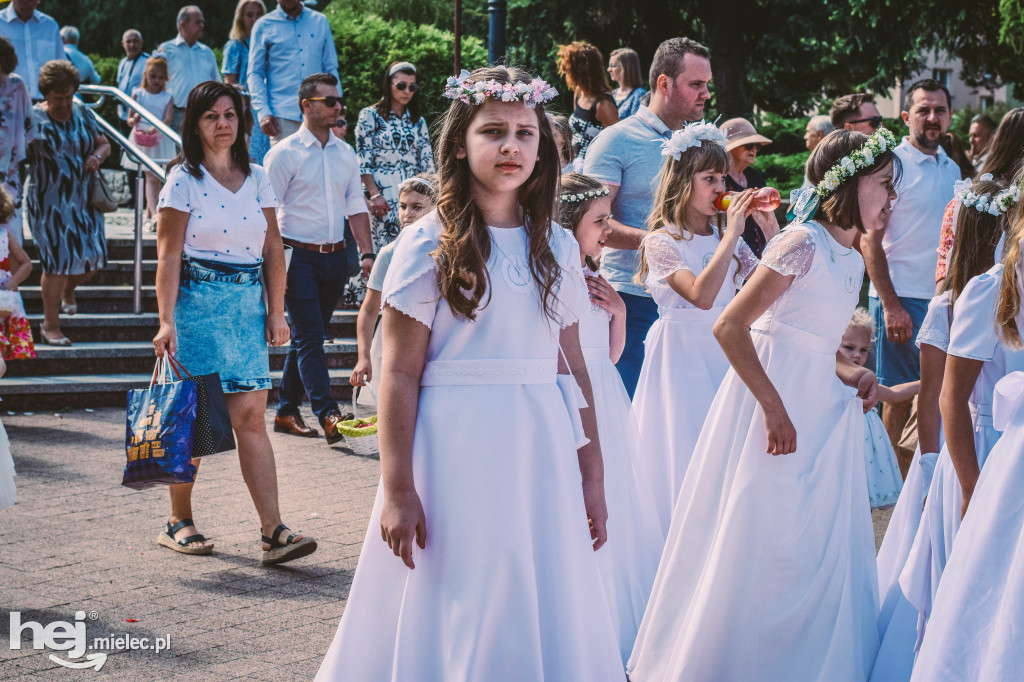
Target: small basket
pixel 360 434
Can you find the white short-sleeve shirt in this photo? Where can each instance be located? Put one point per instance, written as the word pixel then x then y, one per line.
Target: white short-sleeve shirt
pixel 222 226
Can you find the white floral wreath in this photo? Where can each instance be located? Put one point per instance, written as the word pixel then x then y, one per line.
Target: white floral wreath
pixel 691 135
pixel 464 89
pixel 572 198
pixel 985 203
pixel 804 201
pixel 880 141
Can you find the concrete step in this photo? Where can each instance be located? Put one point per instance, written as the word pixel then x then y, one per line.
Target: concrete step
pixel 56 392
pixel 96 299
pixel 116 273
pixel 129 327
pixel 119 357
pixel 118 248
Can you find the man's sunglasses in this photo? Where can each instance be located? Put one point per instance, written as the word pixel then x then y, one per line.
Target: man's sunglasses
pixel 873 121
pixel 402 85
pixel 331 101
pixel 753 146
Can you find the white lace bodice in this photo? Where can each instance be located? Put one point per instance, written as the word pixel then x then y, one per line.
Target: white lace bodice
pixel 828 278
pixel 934 329
pixel 511 324
pixel 666 255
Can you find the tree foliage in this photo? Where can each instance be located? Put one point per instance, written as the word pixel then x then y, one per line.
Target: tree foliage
pixel 367 43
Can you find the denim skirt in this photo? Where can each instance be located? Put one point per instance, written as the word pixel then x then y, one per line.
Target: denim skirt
pixel 220 319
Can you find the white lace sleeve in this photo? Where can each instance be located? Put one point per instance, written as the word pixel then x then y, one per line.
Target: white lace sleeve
pixel 748 261
pixel 790 253
pixel 662 257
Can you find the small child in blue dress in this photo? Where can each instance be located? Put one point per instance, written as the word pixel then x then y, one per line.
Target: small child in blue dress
pixel 884 478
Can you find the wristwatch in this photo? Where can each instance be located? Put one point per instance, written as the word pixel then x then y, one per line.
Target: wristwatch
pixel 371 255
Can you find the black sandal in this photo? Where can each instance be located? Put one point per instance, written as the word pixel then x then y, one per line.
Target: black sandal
pixel 281 552
pixel 166 539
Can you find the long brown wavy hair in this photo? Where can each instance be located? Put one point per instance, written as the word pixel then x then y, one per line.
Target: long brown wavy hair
pixel 465 245
pixel 672 198
pixel 1009 291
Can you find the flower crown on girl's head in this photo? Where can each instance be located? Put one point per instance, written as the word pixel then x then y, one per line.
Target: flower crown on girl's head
pixel 691 135
pixel 985 203
pixel 573 197
pixel 464 89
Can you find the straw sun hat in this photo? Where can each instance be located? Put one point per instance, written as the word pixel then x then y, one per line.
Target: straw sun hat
pixel 740 131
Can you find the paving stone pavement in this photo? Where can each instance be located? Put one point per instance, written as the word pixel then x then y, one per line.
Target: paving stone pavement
pixel 79 541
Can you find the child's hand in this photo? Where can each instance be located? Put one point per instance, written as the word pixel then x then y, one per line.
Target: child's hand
pixel 361 374
pixel 602 293
pixel 768 223
pixel 867 389
pixel 597 512
pixel 402 522
pixel 736 215
pixel 781 432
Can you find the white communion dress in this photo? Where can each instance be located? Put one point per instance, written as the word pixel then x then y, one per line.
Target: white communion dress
pixel 629 560
pixel 683 363
pixel 897 620
pixel 974 634
pixel 508 586
pixel 769 570
pixel 972 335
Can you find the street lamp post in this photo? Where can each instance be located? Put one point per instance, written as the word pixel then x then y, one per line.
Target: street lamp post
pixel 496 10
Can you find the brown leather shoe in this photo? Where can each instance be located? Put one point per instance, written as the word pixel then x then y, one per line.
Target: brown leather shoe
pixel 331 426
pixel 292 424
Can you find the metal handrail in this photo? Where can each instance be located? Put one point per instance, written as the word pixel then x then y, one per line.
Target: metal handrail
pixel 103 90
pixel 138 155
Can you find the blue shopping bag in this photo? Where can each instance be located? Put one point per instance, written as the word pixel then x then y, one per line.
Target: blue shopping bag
pixel 160 432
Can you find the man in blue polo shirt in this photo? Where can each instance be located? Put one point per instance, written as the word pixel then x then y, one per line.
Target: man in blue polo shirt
pixel 627 158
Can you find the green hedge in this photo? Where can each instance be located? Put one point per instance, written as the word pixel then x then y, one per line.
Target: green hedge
pixel 367 43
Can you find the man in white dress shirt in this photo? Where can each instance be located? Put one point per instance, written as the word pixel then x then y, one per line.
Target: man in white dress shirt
pixel 129 71
pixel 315 176
pixel 287 45
pixel 900 258
pixel 188 60
pixel 36 39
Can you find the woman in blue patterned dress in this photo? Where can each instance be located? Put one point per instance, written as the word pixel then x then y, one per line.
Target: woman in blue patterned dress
pixel 236 66
pixel 393 144
pixel 68 232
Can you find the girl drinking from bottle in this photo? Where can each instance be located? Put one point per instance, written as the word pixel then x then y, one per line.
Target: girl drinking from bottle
pixel 486 570
pixel 693 265
pixel 629 562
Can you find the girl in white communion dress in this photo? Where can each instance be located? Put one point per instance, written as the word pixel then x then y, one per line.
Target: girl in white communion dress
pixel 769 570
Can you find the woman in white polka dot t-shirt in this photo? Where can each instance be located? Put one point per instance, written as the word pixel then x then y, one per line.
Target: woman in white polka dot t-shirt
pixel 216 235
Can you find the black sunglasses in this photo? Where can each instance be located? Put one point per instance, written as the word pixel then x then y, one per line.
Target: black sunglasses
pixel 873 121
pixel 402 85
pixel 752 146
pixel 330 100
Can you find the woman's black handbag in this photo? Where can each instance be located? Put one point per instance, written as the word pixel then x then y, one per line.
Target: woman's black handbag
pixel 213 432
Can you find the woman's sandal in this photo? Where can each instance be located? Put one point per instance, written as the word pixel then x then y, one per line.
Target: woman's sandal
pixel 166 538
pixel 281 552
